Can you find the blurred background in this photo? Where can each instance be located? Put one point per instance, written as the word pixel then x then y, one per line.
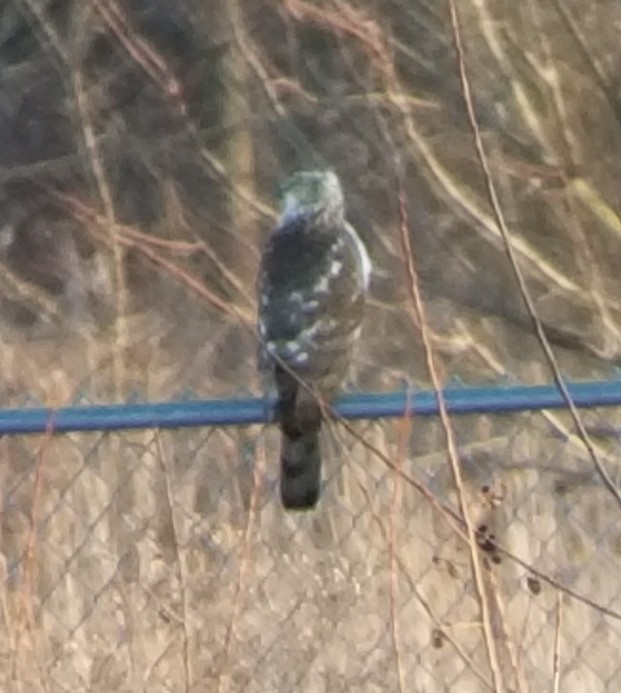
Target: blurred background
pixel 141 142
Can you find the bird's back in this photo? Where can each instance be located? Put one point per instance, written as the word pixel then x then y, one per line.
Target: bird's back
pixel 312 289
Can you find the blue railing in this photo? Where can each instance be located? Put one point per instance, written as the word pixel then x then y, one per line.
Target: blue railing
pixel 238 412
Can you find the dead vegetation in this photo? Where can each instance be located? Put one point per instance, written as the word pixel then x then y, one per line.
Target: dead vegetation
pixel 139 146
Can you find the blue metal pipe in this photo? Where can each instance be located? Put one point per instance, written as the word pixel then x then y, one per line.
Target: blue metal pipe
pixel 239 412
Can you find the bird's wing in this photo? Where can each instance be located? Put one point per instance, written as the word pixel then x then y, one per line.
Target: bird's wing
pixel 312 290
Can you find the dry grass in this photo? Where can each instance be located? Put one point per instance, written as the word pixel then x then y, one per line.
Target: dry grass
pixel 137 566
pixel 139 143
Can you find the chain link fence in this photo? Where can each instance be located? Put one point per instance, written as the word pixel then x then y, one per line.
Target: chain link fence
pixel 140 142
pixel 161 560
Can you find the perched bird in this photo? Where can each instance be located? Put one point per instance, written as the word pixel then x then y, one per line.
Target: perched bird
pixel 313 281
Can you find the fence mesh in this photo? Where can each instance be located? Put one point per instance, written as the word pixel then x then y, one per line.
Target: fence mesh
pixel 140 144
pixel 163 561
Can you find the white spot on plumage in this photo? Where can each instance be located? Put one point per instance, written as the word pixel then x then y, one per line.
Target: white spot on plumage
pixel 335 268
pixel 308 333
pixel 326 327
pixel 292 346
pixel 322 286
pixel 300 358
pixel 310 306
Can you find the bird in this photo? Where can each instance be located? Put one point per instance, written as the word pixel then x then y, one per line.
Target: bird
pixel 313 282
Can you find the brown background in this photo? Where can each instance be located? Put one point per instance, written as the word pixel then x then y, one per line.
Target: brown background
pixel 140 145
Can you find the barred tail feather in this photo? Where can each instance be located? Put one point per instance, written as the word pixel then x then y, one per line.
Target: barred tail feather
pixel 300 459
pixel 300 470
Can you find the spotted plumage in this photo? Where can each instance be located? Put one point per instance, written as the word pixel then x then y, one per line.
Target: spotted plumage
pixel 313 281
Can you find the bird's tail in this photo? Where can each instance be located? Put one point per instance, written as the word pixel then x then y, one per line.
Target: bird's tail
pixel 300 469
pixel 300 458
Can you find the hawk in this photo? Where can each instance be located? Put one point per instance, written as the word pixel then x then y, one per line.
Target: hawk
pixel 313 281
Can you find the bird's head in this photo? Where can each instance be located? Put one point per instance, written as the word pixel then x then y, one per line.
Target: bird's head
pixel 310 192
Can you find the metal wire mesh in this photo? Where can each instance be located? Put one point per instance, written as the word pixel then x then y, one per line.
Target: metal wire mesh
pixel 139 146
pixel 161 560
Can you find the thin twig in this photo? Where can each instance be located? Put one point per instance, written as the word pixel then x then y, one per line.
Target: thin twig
pixel 405 427
pixel 451 445
pixel 151 668
pixel 598 74
pixel 118 251
pixel 181 562
pixel 412 583
pixel 556 664
pixel 38 10
pixel 141 51
pixel 509 643
pixel 224 679
pixel 523 288
pixel 550 74
pixel 86 214
pixel 27 625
